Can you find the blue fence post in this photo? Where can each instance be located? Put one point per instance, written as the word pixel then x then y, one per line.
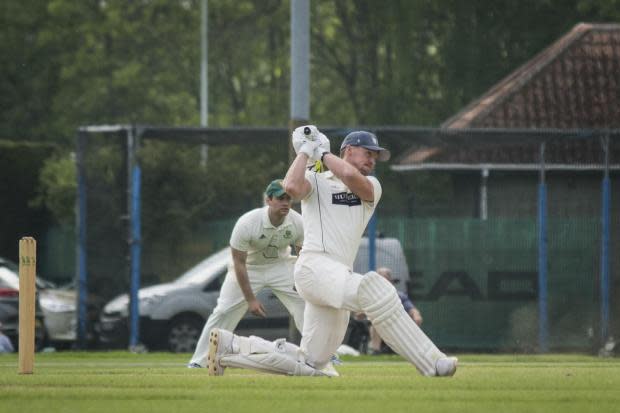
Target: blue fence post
pixel 81 250
pixel 134 182
pixel 372 244
pixel 543 328
pixel 606 230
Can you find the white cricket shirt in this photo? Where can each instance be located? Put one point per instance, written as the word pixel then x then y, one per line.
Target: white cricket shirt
pixel 334 218
pixel 264 243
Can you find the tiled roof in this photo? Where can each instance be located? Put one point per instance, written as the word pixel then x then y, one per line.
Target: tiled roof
pixel 574 83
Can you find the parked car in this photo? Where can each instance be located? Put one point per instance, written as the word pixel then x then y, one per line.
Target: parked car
pixel 56 309
pixel 389 254
pixel 172 315
pixel 9 306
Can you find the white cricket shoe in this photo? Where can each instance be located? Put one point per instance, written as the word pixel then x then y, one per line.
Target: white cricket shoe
pixel 220 343
pixel 329 370
pixel 446 366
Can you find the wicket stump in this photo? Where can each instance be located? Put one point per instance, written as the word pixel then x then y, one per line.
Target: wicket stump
pixel 27 292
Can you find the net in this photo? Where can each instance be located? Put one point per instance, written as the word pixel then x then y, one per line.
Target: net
pixel 465 206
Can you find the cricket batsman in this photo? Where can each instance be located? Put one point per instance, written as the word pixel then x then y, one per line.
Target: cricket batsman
pixel 336 207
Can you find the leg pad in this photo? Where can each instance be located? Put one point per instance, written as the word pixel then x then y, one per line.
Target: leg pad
pixel 379 300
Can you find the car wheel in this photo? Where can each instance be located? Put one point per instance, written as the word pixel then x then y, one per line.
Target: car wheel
pixel 183 333
pixel 40 337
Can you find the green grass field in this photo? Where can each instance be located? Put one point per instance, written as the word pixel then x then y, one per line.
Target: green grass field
pixel 120 382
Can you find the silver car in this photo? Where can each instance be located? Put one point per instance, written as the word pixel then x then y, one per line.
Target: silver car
pixel 56 318
pixel 173 314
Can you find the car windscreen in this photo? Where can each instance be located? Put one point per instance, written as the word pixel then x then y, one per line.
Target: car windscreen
pixel 9 274
pixel 8 278
pixel 213 264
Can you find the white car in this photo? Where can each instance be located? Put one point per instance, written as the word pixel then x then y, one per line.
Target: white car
pixel 57 306
pixel 172 315
pixel 389 253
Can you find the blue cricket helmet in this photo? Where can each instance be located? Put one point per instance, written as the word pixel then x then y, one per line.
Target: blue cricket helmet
pixel 366 140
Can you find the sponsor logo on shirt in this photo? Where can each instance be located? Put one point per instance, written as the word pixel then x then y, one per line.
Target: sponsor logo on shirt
pixel 346 198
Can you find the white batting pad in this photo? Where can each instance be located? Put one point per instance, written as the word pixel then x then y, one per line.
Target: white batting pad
pixel 277 357
pixel 380 302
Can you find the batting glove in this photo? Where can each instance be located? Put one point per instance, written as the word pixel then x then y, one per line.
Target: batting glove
pixel 306 140
pixel 324 146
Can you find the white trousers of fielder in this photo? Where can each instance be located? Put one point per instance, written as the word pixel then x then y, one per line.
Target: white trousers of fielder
pixel 232 306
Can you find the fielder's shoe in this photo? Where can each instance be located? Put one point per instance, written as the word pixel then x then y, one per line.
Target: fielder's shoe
pixel 446 366
pixel 194 366
pixel 335 360
pixel 220 343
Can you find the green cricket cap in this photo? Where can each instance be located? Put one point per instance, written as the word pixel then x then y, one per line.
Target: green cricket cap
pixel 275 189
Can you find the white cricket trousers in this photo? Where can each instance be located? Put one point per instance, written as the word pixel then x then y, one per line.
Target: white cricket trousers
pixel 232 306
pixel 331 291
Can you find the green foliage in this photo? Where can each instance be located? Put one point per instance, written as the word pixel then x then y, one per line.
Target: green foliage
pixel 249 62
pixel 129 56
pixel 57 190
pixel 20 163
pixel 28 70
pixel 175 182
pixel 68 63
pixel 400 62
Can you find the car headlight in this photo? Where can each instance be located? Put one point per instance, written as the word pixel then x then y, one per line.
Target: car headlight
pixel 119 306
pixel 55 306
pixel 147 302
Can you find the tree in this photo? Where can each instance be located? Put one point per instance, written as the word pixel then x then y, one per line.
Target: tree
pixel 29 72
pixel 417 62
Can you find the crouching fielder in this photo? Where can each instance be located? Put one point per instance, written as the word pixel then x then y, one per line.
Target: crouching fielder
pixel 261 258
pixel 336 207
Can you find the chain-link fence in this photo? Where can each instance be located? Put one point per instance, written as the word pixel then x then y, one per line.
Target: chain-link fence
pixel 510 236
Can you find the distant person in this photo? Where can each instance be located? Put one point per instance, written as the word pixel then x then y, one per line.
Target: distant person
pixel 5 343
pixel 261 255
pixel 375 344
